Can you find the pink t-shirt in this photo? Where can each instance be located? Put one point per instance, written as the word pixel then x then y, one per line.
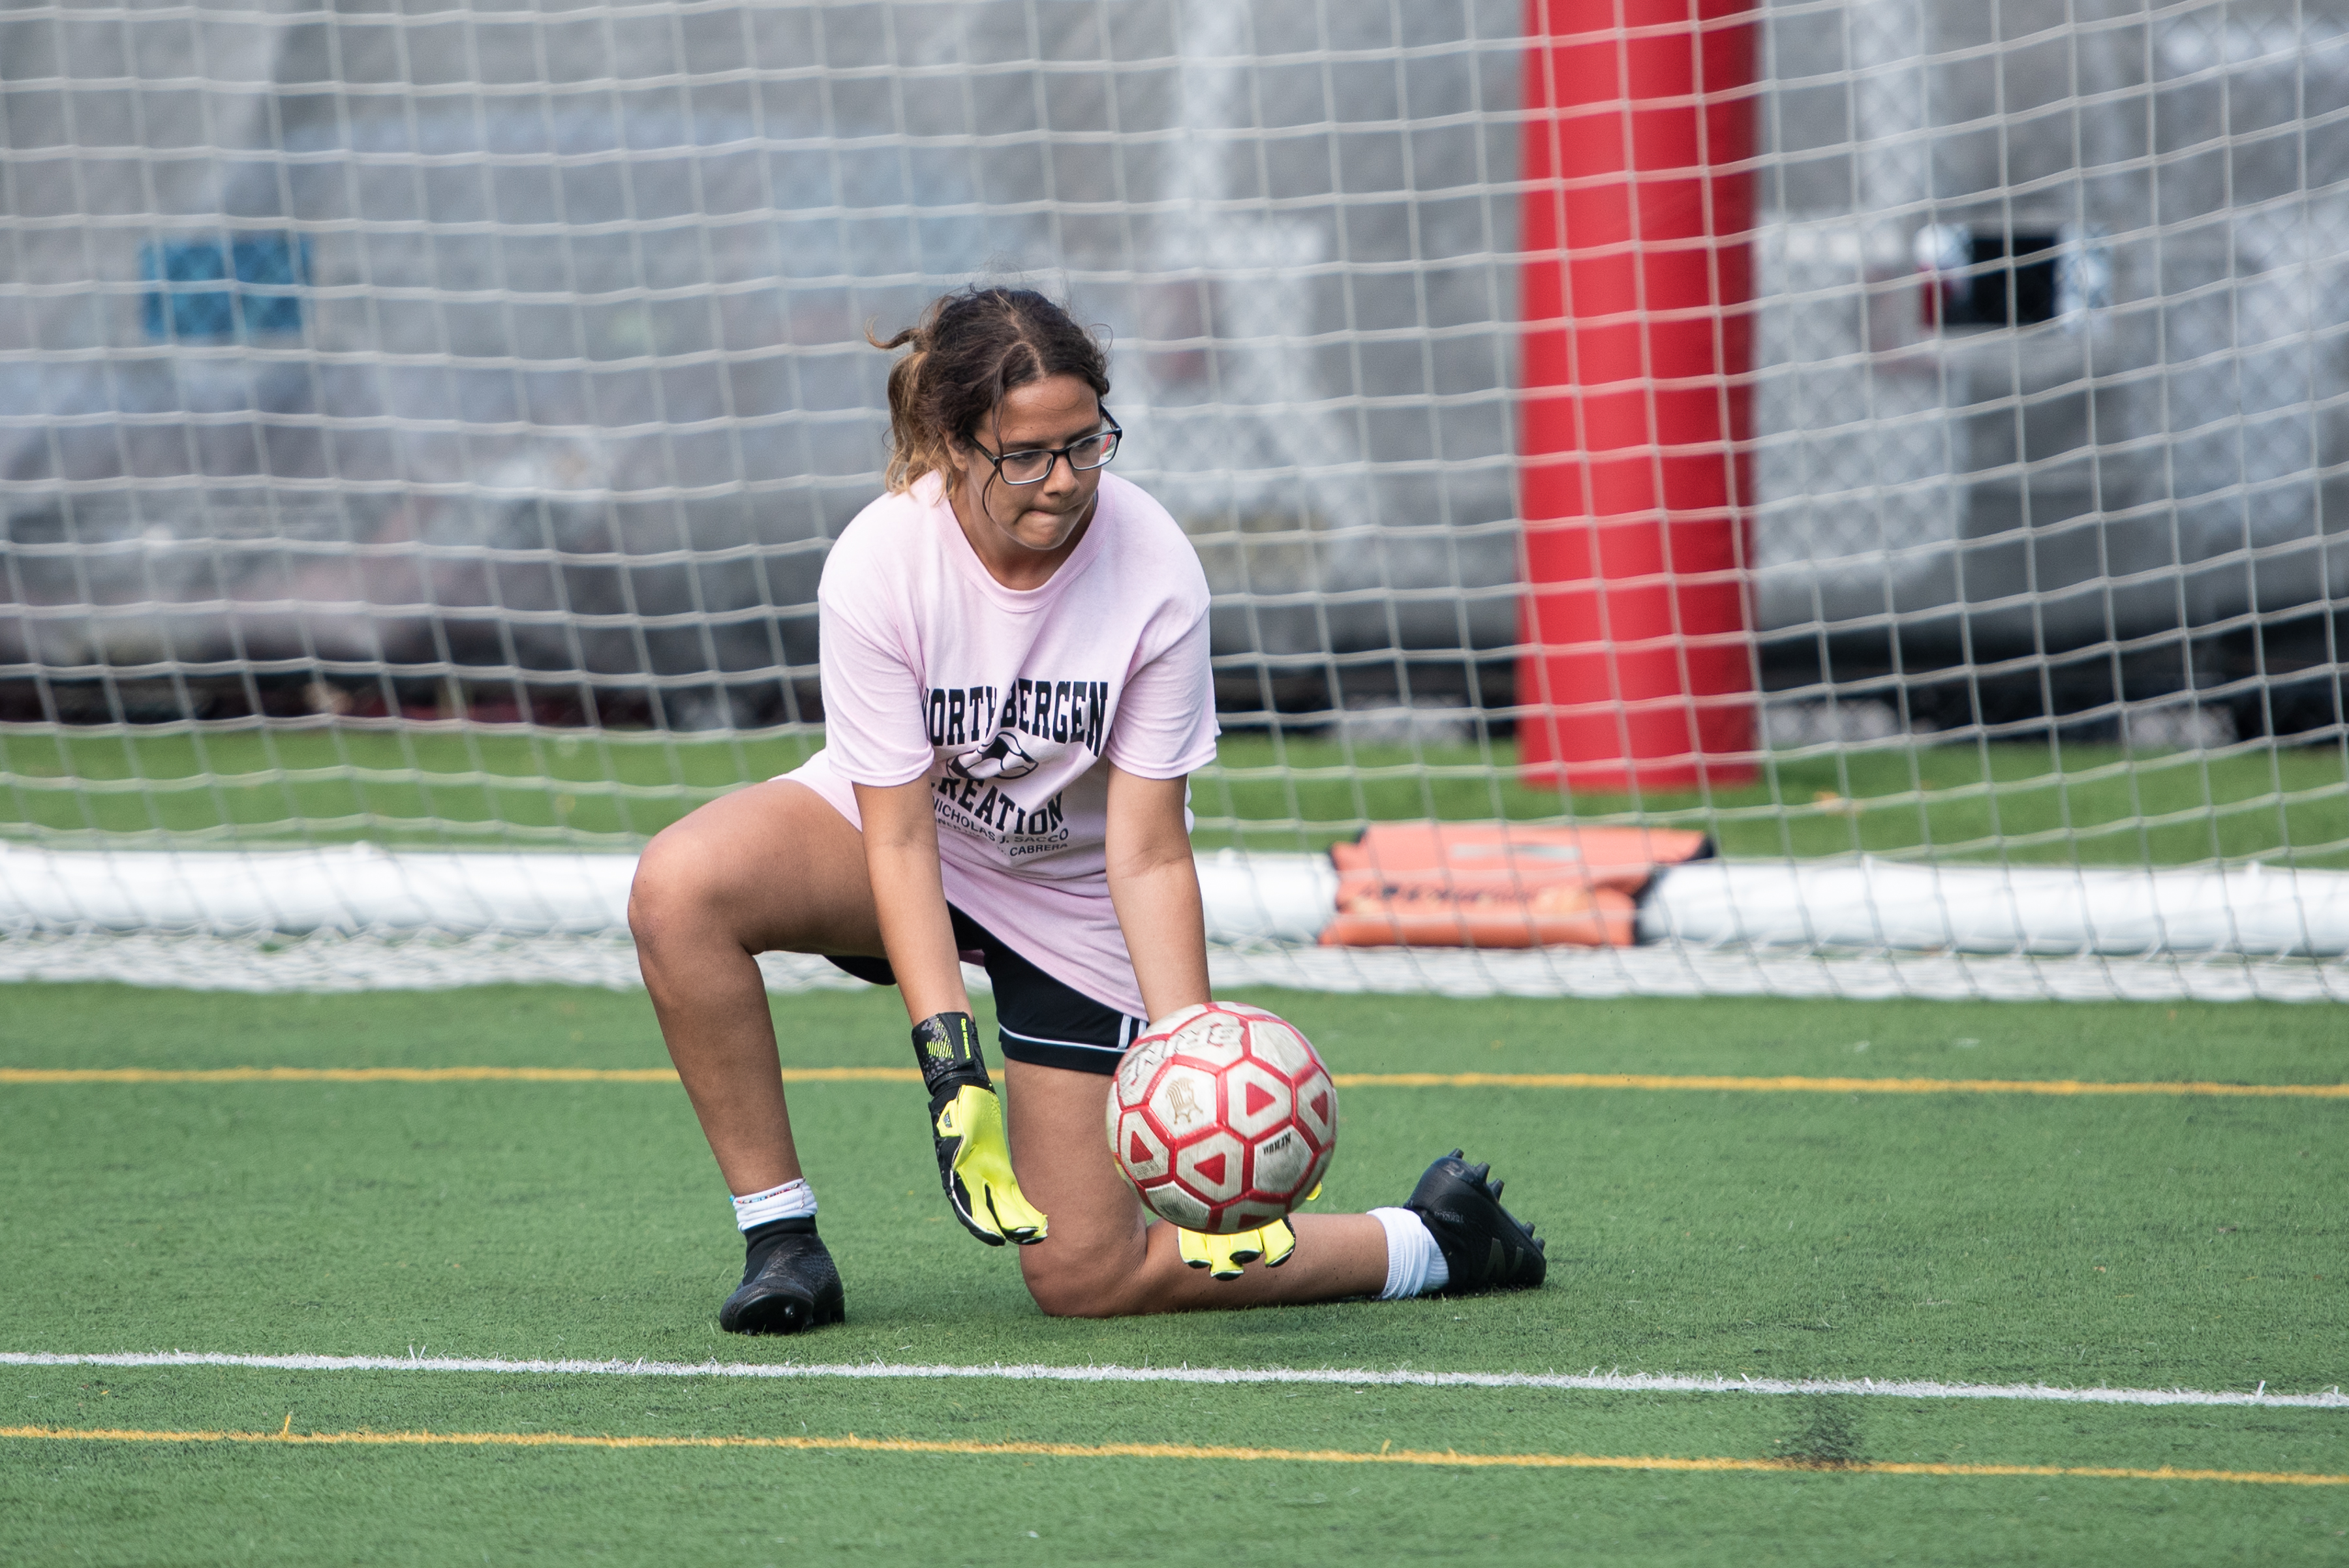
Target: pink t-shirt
pixel 1011 701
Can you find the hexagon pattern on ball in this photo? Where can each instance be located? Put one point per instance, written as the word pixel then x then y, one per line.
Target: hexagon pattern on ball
pixel 1222 1117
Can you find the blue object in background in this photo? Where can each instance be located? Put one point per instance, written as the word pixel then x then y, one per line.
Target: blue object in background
pixel 208 285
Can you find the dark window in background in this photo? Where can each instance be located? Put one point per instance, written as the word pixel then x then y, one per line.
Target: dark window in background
pixel 1991 279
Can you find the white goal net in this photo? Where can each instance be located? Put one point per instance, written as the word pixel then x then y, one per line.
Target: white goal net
pixel 422 426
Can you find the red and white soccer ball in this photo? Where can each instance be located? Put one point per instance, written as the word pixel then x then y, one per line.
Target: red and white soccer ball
pixel 1222 1117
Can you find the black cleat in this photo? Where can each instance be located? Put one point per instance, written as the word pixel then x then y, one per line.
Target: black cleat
pixel 1482 1244
pixel 789 1284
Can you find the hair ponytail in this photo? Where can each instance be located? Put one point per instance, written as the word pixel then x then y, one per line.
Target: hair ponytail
pixel 970 349
pixel 912 450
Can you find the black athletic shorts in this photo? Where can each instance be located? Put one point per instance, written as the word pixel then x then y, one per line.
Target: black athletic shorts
pixel 1038 1020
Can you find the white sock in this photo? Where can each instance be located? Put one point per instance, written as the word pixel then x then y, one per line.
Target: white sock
pixel 792 1201
pixel 1415 1264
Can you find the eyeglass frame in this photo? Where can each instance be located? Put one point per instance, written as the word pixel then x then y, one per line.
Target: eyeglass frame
pixel 1058 454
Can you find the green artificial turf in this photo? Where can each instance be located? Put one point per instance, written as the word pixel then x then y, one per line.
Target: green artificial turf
pixel 2142 1241
pixel 613 788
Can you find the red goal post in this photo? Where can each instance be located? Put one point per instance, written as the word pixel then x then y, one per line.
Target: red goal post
pixel 1637 285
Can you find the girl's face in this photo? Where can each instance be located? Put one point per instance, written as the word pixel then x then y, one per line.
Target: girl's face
pixel 1019 528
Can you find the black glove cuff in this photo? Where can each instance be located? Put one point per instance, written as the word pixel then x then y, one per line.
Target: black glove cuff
pixel 947 1046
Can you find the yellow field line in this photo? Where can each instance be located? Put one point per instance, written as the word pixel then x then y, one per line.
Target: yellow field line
pixel 852 1443
pixel 424 1075
pixel 2065 1086
pixel 1832 1085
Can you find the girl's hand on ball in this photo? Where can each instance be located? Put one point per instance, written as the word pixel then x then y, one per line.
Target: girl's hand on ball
pixel 1225 1257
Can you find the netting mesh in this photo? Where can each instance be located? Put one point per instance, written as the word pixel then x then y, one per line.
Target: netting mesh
pixel 425 424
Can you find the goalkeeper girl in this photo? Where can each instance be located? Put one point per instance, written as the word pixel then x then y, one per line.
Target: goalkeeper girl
pixel 1014 653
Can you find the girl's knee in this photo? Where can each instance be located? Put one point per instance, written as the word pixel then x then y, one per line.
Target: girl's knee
pixel 674 877
pixel 1080 1284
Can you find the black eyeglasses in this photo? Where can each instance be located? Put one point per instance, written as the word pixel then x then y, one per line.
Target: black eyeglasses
pixel 1033 466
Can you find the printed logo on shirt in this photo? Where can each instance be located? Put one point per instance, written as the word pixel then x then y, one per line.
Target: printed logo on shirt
pixel 992 737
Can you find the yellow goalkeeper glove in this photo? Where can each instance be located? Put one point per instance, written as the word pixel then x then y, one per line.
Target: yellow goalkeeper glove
pixel 967 1125
pixel 1225 1257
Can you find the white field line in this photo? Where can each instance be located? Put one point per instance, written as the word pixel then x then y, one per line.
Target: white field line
pixel 1593 1381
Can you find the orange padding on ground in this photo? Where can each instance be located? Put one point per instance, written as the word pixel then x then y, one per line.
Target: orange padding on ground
pixel 1485 885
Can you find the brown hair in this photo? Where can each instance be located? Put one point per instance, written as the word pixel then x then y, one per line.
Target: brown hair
pixel 970 349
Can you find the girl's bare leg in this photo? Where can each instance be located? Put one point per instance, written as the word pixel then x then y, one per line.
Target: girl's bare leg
pixel 767 868
pixel 774 868
pixel 1105 1258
